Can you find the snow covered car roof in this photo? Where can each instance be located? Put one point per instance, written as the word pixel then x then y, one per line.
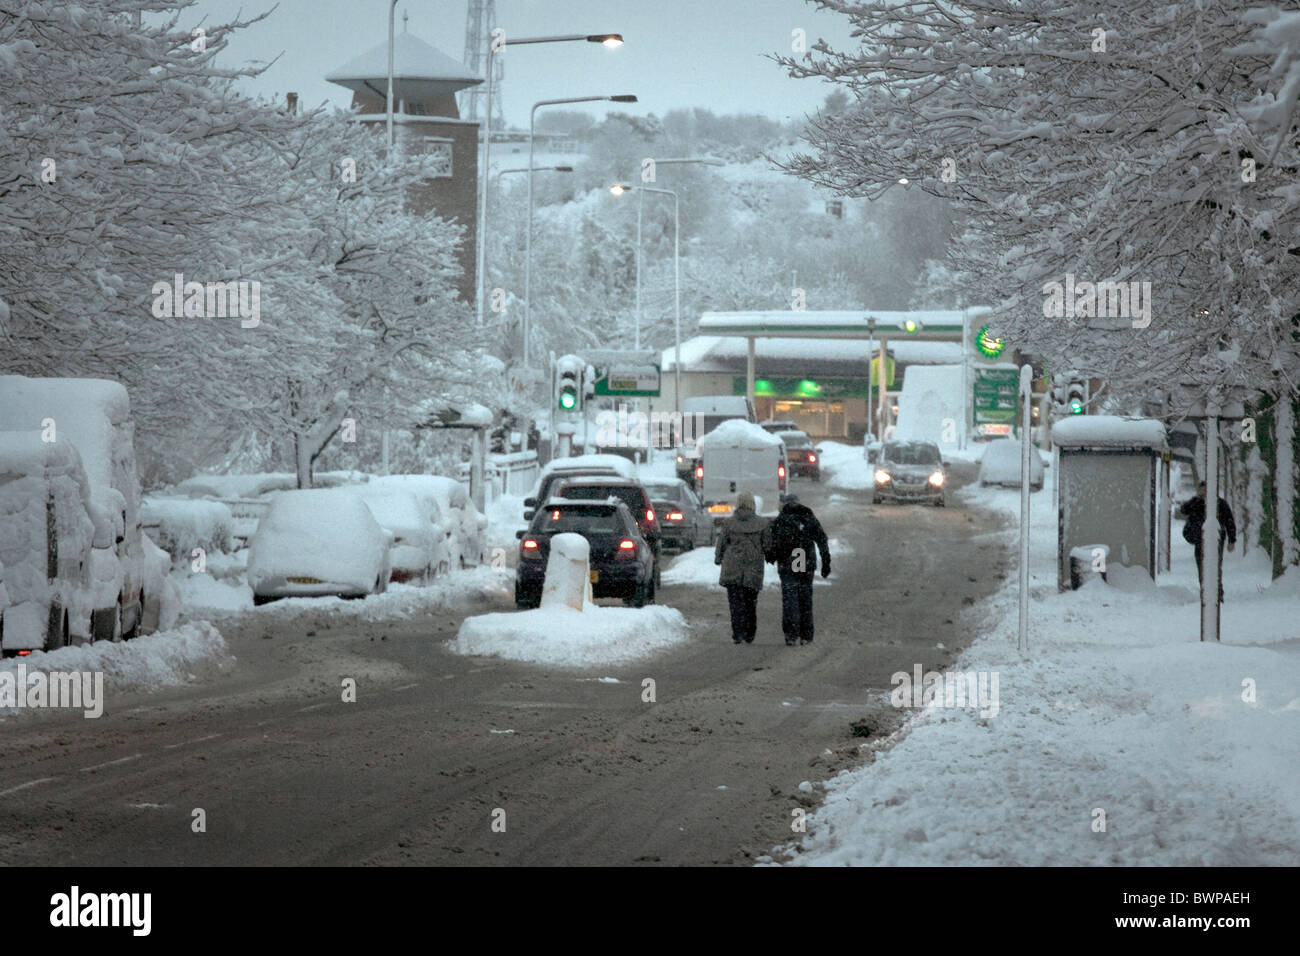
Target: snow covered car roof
pixel 84 410
pixel 615 463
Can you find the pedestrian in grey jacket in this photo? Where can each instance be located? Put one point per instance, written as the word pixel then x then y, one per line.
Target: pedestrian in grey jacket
pixel 740 552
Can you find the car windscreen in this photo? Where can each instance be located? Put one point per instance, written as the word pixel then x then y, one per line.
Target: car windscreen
pixel 579 520
pixel 911 454
pixel 630 495
pixel 662 492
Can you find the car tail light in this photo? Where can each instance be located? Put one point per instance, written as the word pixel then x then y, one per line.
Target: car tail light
pixel 675 516
pixel 812 459
pixel 649 514
pixel 530 549
pixel 627 544
pixel 24 653
pixel 555 515
pixel 699 471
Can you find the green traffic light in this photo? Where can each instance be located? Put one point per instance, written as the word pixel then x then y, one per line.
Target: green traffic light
pixel 568 400
pixel 1076 407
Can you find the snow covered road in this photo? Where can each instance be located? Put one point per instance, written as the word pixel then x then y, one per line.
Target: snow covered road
pixel 586 767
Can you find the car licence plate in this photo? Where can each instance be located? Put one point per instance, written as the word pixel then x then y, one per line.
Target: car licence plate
pixel 595 577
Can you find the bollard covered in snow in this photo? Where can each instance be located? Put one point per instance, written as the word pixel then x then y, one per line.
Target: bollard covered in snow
pixel 567 577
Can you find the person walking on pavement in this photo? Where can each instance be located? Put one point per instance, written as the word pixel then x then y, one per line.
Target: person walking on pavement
pixel 795 538
pixel 1194 530
pixel 740 552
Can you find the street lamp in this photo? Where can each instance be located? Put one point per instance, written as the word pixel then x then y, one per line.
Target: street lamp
pixel 609 40
pixel 618 189
pixel 392 11
pixel 640 206
pixel 528 236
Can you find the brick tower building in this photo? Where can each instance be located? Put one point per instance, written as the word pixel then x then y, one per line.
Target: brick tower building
pixel 425 120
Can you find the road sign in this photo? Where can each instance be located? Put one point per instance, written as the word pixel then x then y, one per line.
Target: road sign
pixel 995 399
pixel 627 379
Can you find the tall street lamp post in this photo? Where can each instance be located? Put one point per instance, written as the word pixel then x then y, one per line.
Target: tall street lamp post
pixel 528 235
pixel 607 39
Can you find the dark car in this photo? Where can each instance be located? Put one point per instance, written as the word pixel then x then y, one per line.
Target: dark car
pixel 627 490
pixel 621 562
pixel 684 522
pixel 800 455
pixel 910 471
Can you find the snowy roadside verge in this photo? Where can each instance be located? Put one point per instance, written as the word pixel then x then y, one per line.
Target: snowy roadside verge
pixel 1118 713
pixel 185 654
pixel 564 637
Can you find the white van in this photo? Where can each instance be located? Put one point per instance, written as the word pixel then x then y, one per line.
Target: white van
pixel 47 534
pixel 94 415
pixel 701 414
pixel 740 456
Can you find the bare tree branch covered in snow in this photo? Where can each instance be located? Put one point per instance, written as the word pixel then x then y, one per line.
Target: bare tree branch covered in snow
pixel 1134 142
pixel 133 165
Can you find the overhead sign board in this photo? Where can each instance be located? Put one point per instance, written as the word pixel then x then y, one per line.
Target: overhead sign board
pixel 627 379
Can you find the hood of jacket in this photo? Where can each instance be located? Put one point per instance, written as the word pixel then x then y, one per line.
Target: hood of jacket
pixel 746 522
pixel 798 510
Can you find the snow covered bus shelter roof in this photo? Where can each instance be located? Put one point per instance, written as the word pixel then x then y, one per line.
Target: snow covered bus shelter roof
pixel 1109 431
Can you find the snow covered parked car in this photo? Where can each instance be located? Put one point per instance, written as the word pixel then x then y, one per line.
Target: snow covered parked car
pixel 318 542
pixel 94 416
pixel 47 535
pixel 1000 465
pixel 422 547
pixel 468 527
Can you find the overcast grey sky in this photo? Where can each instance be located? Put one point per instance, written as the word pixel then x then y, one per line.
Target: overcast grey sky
pixel 679 53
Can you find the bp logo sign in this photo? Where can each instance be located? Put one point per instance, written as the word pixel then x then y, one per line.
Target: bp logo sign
pixel 988 344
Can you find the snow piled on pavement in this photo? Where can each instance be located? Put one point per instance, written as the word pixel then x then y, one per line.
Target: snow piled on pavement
pixel 845 466
pixel 1119 707
pixel 564 637
pixel 188 653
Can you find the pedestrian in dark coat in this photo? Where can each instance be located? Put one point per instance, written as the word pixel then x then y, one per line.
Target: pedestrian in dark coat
pixel 740 552
pixel 793 543
pixel 1194 530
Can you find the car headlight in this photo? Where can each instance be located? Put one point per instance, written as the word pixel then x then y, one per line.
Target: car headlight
pixel 937 479
pixel 883 477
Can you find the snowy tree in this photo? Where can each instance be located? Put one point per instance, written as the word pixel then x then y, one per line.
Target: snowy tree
pixel 1107 143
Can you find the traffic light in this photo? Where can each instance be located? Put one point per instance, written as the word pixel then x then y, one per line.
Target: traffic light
pixel 568 383
pixel 1069 395
pixel 1076 397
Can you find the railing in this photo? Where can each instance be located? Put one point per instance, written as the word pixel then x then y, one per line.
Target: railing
pixel 506 474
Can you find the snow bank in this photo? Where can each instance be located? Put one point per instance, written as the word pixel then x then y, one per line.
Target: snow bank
pixel 179 525
pixel 845 466
pixel 1118 707
pixel 931 406
pixel 188 653
pixel 563 637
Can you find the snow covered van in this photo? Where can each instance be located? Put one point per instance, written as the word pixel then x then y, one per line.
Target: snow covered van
pixel 705 413
pixel 47 533
pixel 94 416
pixel 740 456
